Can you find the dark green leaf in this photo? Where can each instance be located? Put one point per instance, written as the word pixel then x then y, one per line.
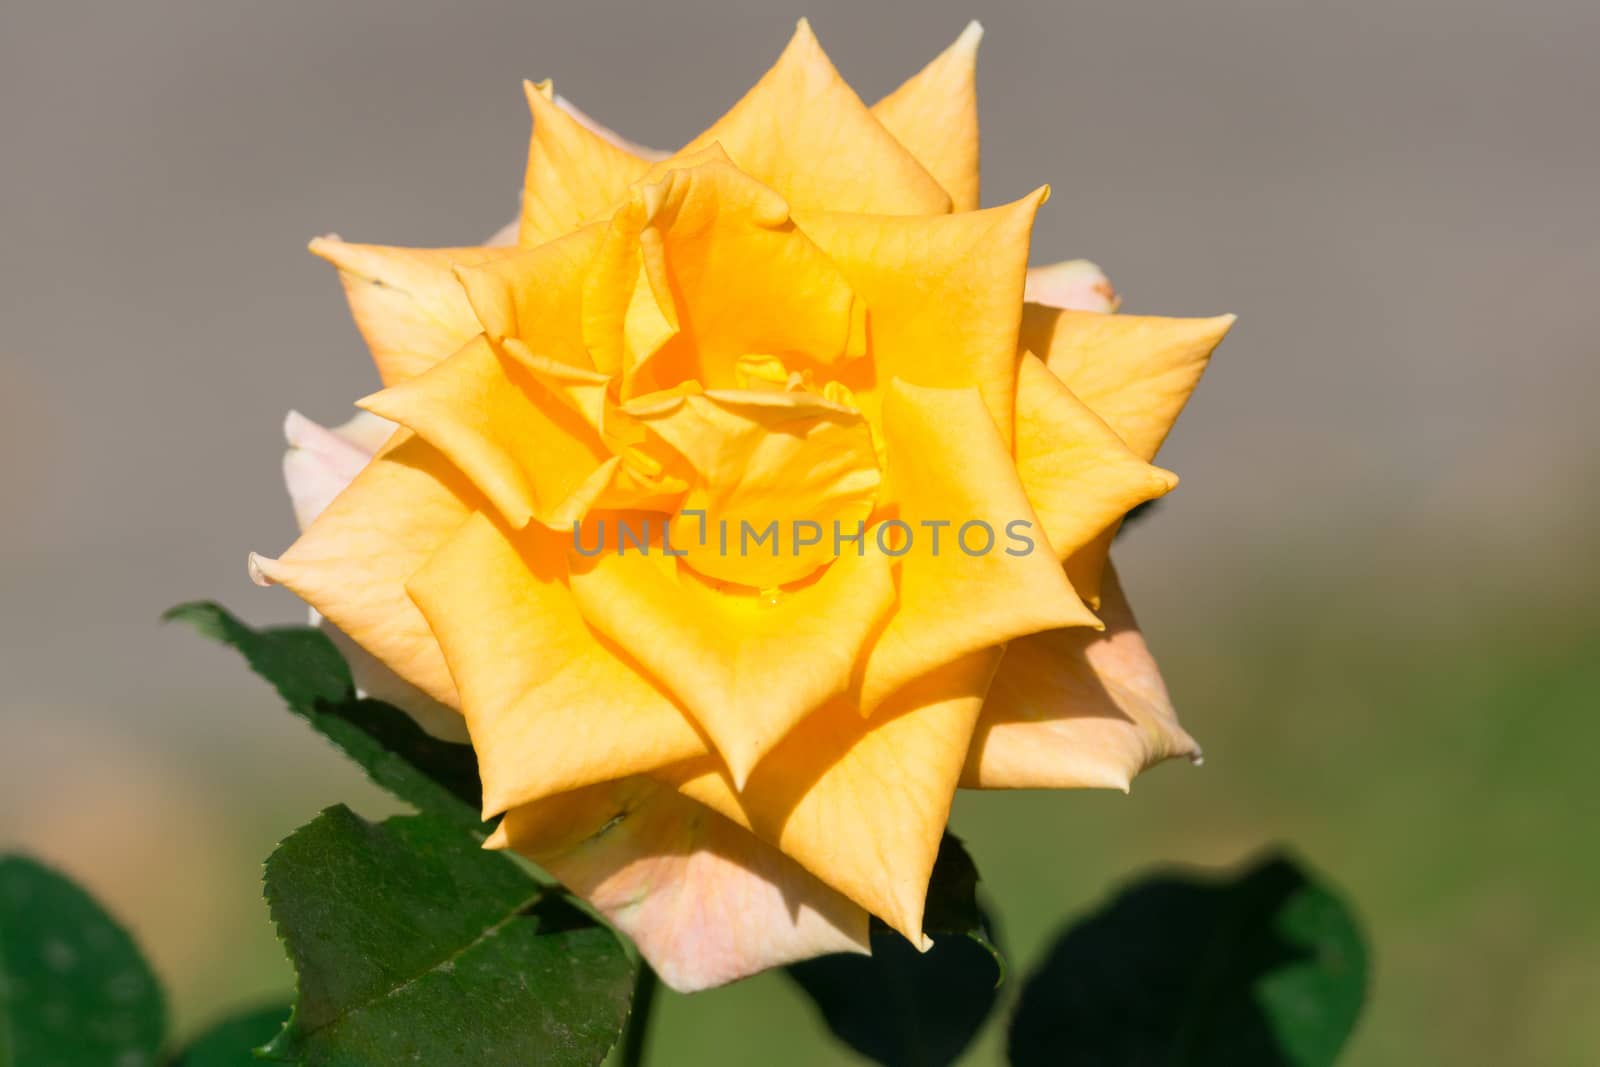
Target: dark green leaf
pixel 73 987
pixel 414 945
pixel 308 672
pixel 232 1042
pixel 1139 513
pixel 904 1008
pixel 1264 969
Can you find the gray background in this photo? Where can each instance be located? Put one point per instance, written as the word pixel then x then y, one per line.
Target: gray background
pixel 1398 198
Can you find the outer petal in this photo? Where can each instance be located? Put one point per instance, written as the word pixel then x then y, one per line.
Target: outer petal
pixel 649 155
pixel 550 704
pixel 352 563
pixel 705 900
pixel 944 295
pixel 575 176
pixel 319 465
pixel 1072 283
pixel 935 115
pixel 1135 371
pixel 806 133
pixel 863 802
pixel 406 301
pixel 1073 708
pixel 1079 476
pixel 748 665
pixel 525 449
pixel 948 465
pixel 320 462
pixel 536 295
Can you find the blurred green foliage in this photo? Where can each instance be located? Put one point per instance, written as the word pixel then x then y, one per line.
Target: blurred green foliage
pixel 1423 736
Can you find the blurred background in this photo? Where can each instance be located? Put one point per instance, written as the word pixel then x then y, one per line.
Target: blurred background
pixel 1374 595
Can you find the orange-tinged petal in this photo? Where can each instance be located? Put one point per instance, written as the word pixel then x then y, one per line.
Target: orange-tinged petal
pixel 319 465
pixel 747 664
pixel 807 134
pixel 948 465
pixel 763 458
pixel 1073 708
pixel 935 115
pixel 944 295
pixel 1135 371
pixel 550 704
pixel 1077 473
pixel 705 901
pixel 536 295
pixel 407 302
pixel 524 448
pixel 575 176
pixel 862 802
pixel 352 563
pixel 1072 283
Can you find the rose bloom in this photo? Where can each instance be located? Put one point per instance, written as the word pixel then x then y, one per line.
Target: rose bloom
pixel 802 316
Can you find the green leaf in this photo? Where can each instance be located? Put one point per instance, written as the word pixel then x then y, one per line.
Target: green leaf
pixel 905 1008
pixel 414 945
pixel 73 987
pixel 1265 968
pixel 233 1041
pixel 311 676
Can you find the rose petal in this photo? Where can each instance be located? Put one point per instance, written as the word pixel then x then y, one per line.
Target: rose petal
pixel 608 135
pixel 536 294
pixel 862 802
pixel 715 254
pixel 760 459
pixel 550 704
pixel 407 302
pixel 1073 283
pixel 705 901
pixel 318 465
pixel 1073 708
pixel 320 462
pixel 352 562
pixel 832 153
pixel 948 464
pixel 1135 371
pixel 747 665
pixel 935 115
pixel 1078 474
pixel 574 175
pixel 944 296
pixel 523 448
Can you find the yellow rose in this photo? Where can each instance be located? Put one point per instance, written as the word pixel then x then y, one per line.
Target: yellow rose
pixel 799 319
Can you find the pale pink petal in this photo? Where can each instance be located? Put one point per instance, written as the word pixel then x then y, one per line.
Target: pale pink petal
pixel 366 431
pixel 705 900
pixel 1075 709
pixel 506 236
pixel 649 154
pixel 1074 283
pixel 319 464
